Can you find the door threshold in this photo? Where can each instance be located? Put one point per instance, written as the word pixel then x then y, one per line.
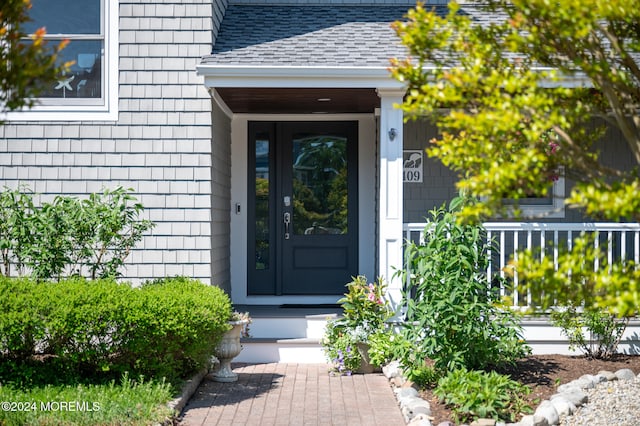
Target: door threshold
pixel 289 310
pixel 310 305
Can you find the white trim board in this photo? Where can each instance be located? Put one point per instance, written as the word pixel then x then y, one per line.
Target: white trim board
pixel 366 203
pixel 296 77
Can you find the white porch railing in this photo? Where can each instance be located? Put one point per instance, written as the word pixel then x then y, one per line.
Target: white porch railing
pixel 620 241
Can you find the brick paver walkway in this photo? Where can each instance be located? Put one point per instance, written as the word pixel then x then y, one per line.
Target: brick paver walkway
pixel 293 394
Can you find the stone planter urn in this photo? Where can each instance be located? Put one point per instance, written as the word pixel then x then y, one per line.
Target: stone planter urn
pixel 228 348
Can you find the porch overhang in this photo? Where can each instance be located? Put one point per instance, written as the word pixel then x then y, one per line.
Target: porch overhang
pixel 216 76
pixel 308 90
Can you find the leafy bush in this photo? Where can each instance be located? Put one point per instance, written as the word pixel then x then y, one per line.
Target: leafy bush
pixel 604 330
pixel 473 394
pixel 188 317
pixel 599 300
pixel 453 315
pixel 364 321
pixel 69 236
pixel 103 329
pixel 16 206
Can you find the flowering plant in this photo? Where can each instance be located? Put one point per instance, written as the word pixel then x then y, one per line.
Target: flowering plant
pixel 241 318
pixel 365 314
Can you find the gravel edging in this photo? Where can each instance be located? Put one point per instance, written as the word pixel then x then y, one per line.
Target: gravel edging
pixel 570 406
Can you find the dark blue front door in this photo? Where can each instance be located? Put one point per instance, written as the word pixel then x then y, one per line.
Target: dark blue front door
pixel 302 218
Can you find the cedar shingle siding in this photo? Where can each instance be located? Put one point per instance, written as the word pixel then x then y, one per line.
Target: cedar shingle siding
pixel 161 144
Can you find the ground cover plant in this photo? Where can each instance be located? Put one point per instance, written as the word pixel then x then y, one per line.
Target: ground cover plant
pixel 542 374
pixel 479 394
pixel 80 339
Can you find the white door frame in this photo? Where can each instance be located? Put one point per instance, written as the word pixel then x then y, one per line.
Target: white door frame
pixel 367 147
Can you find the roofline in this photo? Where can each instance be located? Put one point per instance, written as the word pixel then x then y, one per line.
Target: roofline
pixel 275 76
pixel 296 76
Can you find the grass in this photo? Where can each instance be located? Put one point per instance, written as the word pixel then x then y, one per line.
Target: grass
pixel 129 402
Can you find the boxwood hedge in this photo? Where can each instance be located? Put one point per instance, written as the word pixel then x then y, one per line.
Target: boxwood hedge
pixel 165 328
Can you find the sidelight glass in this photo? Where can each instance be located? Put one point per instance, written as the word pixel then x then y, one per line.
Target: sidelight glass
pixel 262 203
pixel 319 184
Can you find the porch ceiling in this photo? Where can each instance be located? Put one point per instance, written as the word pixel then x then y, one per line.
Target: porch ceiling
pixel 299 100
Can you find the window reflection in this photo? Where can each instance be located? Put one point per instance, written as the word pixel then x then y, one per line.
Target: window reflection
pixel 84 79
pixel 262 203
pixel 80 22
pixel 65 16
pixel 319 185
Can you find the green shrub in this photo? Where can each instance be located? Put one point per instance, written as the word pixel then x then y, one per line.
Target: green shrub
pixel 103 328
pixel 21 324
pixel 604 330
pixel 68 236
pixel 478 394
pixel 188 317
pixel 16 207
pixel 453 315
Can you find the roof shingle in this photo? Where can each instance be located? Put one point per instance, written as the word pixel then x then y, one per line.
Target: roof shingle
pixel 347 36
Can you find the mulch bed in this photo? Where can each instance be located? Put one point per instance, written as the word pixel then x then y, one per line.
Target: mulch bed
pixel 543 373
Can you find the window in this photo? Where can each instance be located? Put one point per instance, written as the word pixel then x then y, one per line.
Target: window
pixel 89 88
pixel 551 205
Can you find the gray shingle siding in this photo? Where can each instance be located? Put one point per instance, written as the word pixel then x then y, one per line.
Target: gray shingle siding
pixel 438 186
pixel 160 145
pixel 221 200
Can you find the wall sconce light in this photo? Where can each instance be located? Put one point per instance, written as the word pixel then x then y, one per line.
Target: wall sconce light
pixel 392 134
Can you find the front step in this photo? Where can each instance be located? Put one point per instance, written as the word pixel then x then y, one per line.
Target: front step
pixel 285 334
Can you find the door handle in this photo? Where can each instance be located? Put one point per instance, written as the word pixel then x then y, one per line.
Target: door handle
pixel 286 218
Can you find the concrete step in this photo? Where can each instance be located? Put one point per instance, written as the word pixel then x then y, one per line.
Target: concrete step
pixel 286 333
pixel 295 350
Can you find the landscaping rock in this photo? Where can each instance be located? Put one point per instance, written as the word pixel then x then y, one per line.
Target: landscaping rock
pixel 594 380
pixel 533 420
pixel 548 411
pixel 402 393
pixel 392 370
pixel 575 396
pixel 398 381
pixel 483 422
pixel 412 406
pixel 615 402
pixel 446 423
pixel 625 374
pixel 420 420
pixel 569 387
pixel 563 406
pixel 609 375
pixel 583 383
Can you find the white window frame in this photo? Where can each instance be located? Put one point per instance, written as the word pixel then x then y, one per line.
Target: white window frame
pixel 107 110
pixel 554 209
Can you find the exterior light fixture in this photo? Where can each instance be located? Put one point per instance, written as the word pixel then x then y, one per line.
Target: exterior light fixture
pixel 392 134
